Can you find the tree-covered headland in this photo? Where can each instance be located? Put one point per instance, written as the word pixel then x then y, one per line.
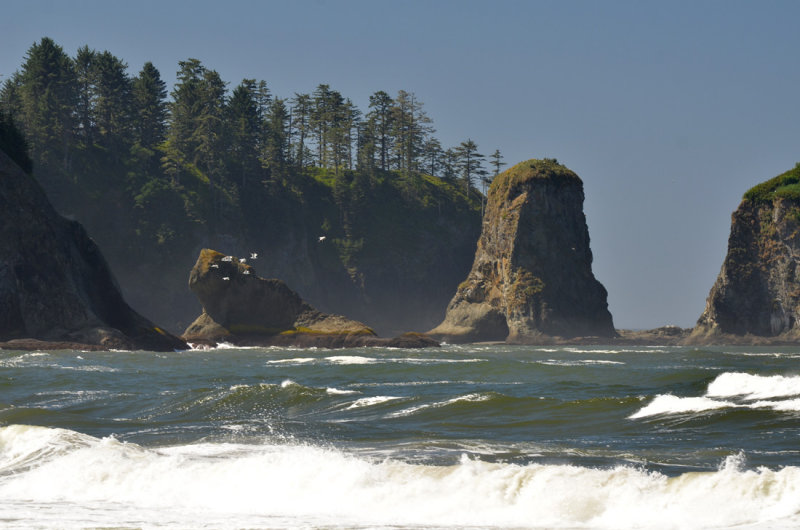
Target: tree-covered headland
pixel 363 211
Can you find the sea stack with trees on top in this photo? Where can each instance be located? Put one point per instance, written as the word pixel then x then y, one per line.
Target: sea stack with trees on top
pixel 531 280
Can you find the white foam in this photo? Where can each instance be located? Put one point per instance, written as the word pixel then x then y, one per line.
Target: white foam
pixel 370 401
pixel 88 482
pixel 350 359
pixel 358 359
pixel 588 350
pixel 787 405
pixel 337 392
pixel 581 362
pixel 295 360
pixel 466 398
pixel 750 386
pixel 669 404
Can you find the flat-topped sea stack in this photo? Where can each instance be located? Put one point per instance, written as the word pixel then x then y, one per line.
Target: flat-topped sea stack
pixel 756 298
pixel 531 281
pixel 241 308
pixel 56 290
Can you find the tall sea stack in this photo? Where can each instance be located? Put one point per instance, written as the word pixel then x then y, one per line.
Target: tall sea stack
pixel 532 279
pixel 756 297
pixel 55 285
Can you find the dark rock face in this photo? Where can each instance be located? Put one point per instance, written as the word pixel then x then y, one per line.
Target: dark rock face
pixel 54 283
pixel 243 309
pixel 531 279
pixel 757 292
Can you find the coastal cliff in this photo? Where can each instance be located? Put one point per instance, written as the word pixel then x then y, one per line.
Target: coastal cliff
pixel 55 285
pixel 241 308
pixel 531 280
pixel 756 298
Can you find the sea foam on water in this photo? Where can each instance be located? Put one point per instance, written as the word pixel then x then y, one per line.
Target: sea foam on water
pixel 740 390
pixel 269 485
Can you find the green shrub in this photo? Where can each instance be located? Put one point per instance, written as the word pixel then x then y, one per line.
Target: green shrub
pixel 785 186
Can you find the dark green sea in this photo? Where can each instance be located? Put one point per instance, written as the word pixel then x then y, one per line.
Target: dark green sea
pixel 471 436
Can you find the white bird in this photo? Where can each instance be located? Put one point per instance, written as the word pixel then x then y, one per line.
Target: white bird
pixel 226 278
pixel 246 271
pixel 227 258
pixel 253 255
pixel 215 266
pixel 242 260
pixel 321 239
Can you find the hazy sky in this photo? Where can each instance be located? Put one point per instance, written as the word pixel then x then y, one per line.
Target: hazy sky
pixel 668 111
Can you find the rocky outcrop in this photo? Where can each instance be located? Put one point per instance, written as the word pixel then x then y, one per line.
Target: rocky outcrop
pixel 531 279
pixel 55 286
pixel 756 298
pixel 243 309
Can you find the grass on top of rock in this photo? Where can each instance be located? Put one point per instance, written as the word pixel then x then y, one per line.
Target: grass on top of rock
pixel 784 186
pixel 546 168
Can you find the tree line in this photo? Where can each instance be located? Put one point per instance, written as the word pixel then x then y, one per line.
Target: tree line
pixel 66 105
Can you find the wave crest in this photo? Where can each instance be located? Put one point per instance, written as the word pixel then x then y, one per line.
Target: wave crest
pixel 301 485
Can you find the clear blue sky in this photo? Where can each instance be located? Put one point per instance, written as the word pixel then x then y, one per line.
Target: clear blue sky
pixel 669 111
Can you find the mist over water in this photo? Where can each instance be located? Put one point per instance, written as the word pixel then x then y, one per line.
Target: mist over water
pixel 459 436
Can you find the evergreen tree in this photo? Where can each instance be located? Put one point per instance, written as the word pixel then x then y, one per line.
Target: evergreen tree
pixel 380 116
pixel 301 112
pixel 12 143
pixel 150 107
pixel 469 162
pixel 10 100
pixel 321 120
pixel 245 125
pixel 276 145
pixel 496 162
pixel 112 98
pixel 449 164
pixel 185 109
pixel 84 112
pixel 47 99
pixel 366 146
pixel 432 154
pixel 352 121
pixel 411 126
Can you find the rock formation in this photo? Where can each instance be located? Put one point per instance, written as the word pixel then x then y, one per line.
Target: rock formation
pixel 55 285
pixel 531 279
pixel 756 297
pixel 243 309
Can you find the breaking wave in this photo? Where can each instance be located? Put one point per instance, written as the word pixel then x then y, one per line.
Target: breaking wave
pixel 49 474
pixel 732 390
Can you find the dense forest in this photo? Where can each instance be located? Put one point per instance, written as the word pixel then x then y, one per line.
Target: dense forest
pixel 350 206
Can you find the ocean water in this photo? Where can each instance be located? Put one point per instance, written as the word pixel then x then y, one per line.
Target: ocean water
pixel 475 436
